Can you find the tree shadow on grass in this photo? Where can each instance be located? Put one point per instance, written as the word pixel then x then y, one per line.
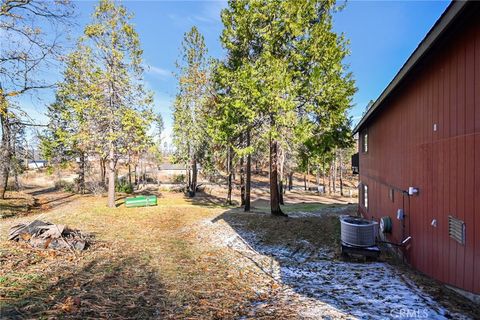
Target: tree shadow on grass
pixel 42 191
pixel 43 199
pixel 121 200
pixel 208 200
pixel 56 201
pixel 107 288
pixel 260 203
pixel 318 229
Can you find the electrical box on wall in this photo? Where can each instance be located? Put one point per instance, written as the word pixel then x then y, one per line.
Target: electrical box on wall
pixel 400 214
pixel 412 191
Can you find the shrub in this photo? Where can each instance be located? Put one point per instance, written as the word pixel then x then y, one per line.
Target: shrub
pixel 179 178
pixel 96 187
pixel 124 187
pixel 65 186
pixel 49 170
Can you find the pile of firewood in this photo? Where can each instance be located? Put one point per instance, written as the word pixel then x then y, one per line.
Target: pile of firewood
pixel 47 235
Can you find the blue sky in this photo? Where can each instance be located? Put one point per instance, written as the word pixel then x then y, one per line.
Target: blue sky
pixel 382 35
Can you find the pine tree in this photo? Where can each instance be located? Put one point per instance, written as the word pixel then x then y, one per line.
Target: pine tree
pixel 102 107
pixel 116 49
pixel 284 66
pixel 73 117
pixel 189 112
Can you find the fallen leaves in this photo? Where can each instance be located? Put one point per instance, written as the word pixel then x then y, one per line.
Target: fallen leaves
pixel 71 304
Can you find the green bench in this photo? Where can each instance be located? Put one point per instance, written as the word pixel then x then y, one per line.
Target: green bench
pixel 141 201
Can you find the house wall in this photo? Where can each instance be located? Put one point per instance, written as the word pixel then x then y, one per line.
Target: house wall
pixel 36 165
pixel 172 172
pixel 404 150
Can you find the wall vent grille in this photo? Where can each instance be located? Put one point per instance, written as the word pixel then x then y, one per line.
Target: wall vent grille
pixel 456 229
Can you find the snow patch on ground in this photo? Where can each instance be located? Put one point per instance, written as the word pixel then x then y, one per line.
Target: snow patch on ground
pixel 318 286
pixel 305 214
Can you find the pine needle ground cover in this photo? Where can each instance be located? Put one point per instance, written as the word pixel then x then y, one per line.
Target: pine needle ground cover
pixel 144 263
pixel 195 259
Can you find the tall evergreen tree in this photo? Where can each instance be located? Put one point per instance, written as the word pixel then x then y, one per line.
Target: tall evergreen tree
pixel 73 117
pixel 189 110
pixel 160 127
pixel 116 49
pixel 102 107
pixel 284 66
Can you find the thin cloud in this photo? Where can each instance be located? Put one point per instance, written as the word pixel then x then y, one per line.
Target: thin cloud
pixel 158 71
pixel 212 10
pixel 208 14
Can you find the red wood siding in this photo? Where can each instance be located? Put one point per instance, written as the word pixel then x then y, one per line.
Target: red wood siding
pixel 404 150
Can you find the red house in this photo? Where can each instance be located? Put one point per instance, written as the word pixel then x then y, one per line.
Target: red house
pixel 419 157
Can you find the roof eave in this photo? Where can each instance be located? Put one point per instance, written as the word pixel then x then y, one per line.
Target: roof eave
pixel 432 36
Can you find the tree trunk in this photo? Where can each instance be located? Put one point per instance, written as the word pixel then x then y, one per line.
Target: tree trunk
pixel 274 192
pixel 135 176
pixel 335 173
pixel 5 151
pixel 341 173
pixel 248 177
pixel 308 175
pixel 305 181
pixel 81 174
pixel 103 170
pixel 242 182
pixel 25 155
pixel 330 179
pixel 129 170
pixel 111 177
pixel 14 160
pixel 281 175
pixel 242 173
pixel 17 183
pixel 193 182
pixel 323 178
pixel 280 191
pixel 229 171
pixel 290 181
pixel 16 168
pixel 129 173
pixel 144 174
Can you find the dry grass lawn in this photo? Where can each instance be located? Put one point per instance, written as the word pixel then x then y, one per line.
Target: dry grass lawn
pixel 145 263
pixel 154 262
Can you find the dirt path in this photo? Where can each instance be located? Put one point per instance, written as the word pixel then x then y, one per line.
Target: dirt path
pixel 195 259
pixel 33 200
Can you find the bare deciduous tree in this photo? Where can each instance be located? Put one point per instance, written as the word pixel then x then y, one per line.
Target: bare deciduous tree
pixel 30 34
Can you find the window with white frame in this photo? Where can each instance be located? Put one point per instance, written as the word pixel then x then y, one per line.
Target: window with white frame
pixel 365 195
pixel 365 141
